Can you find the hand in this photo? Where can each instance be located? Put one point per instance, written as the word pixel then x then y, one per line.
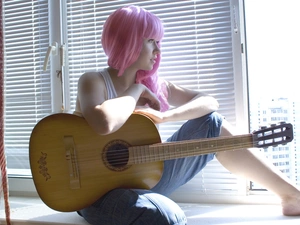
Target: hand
pixel 149 98
pixel 156 116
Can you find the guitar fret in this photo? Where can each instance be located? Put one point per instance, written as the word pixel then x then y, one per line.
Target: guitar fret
pixel 142 154
pixel 151 153
pixel 191 148
pixel 165 153
pixel 176 150
pixel 155 154
pixel 161 153
pixel 179 151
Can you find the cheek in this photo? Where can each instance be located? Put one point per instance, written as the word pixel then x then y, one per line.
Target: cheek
pixel 144 55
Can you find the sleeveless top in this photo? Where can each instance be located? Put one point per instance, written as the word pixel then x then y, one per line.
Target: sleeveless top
pixel 110 89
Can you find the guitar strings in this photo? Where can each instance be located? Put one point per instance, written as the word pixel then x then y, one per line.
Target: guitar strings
pixel 154 152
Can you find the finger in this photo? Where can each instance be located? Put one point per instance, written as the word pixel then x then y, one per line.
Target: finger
pixel 155 106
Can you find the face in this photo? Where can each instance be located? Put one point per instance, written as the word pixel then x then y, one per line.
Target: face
pixel 148 55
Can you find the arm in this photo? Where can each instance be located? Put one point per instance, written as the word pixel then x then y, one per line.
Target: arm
pixel 107 116
pixel 188 104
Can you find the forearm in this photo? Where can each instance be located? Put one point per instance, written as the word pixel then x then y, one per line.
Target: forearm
pixel 113 113
pixel 124 105
pixel 197 107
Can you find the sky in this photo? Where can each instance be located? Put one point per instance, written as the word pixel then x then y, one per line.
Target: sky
pixel 273 47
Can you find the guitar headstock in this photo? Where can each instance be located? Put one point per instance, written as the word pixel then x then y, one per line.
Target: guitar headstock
pixel 274 135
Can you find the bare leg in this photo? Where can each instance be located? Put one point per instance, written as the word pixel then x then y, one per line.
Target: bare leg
pixel 255 167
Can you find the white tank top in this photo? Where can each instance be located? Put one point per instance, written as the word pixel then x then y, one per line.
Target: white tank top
pixel 111 91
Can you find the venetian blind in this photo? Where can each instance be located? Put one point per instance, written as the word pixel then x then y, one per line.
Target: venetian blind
pixel 27 87
pixel 197 53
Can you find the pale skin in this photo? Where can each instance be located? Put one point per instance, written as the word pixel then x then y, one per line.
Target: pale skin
pixel 107 116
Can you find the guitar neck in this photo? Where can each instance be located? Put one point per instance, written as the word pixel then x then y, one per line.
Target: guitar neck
pixel 181 149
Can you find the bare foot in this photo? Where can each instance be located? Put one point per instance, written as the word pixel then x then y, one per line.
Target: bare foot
pixel 291 206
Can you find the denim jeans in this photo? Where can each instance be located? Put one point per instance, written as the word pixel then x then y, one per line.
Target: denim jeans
pixel 148 207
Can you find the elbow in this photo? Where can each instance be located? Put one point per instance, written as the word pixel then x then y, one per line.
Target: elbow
pixel 102 129
pixel 99 122
pixel 215 104
pixel 212 103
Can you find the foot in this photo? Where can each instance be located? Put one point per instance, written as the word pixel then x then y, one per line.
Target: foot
pixel 291 206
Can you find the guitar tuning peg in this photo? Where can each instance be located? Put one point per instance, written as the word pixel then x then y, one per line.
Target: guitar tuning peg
pixel 282 122
pixel 263 127
pixel 273 125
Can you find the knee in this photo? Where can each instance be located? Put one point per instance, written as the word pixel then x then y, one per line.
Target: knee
pixel 139 207
pixel 163 209
pixel 216 117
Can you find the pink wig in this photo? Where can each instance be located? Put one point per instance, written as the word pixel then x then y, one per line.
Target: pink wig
pixel 122 39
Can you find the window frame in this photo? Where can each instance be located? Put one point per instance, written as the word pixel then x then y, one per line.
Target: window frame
pixel 25 185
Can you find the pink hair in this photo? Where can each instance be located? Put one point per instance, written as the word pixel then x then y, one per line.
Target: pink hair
pixel 122 39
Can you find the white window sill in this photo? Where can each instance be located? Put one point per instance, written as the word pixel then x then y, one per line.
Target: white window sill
pixel 31 210
pixel 254 208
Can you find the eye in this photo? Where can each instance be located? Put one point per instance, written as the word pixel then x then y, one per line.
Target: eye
pixel 153 41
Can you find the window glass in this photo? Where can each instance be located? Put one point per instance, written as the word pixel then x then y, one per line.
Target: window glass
pixel 198 52
pixel 27 86
pixel 273 58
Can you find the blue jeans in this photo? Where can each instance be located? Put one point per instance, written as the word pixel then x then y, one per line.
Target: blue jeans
pixel 148 207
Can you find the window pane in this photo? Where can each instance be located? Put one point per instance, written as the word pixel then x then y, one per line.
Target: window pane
pixel 273 66
pixel 197 52
pixel 27 87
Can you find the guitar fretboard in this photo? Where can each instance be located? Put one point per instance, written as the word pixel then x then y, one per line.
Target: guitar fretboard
pixel 181 149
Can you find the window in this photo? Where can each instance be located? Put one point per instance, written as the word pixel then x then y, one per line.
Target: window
pixel 201 50
pixel 272 69
pixel 197 46
pixel 27 86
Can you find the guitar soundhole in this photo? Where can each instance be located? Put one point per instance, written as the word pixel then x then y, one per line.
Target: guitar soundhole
pixel 115 155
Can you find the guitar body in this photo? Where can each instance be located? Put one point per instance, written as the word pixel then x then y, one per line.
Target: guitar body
pixel 72 166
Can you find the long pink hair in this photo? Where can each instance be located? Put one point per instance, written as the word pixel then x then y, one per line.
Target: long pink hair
pixel 122 39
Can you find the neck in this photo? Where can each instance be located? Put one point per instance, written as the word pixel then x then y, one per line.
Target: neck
pixel 125 80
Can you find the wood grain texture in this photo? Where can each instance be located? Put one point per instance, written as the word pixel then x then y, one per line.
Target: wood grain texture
pixel 50 169
pixel 72 166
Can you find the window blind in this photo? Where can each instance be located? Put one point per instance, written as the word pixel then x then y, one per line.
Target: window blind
pixel 197 53
pixel 27 87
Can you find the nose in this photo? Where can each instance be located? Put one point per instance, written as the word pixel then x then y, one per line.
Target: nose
pixel 157 48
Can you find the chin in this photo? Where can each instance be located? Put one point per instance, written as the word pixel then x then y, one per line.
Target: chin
pixel 149 68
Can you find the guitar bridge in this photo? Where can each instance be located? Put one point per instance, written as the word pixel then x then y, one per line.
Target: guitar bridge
pixel 72 162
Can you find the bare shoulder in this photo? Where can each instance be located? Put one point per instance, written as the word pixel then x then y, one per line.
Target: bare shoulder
pixel 90 78
pixel 90 82
pixel 91 89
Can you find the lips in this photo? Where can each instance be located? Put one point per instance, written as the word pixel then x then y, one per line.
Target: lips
pixel 154 60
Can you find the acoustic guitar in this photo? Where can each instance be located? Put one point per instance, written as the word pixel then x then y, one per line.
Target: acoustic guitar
pixel 72 166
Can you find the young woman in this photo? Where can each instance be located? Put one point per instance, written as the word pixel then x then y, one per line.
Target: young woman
pixel 107 98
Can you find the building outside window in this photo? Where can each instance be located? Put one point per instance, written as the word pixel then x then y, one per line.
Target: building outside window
pixel 273 69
